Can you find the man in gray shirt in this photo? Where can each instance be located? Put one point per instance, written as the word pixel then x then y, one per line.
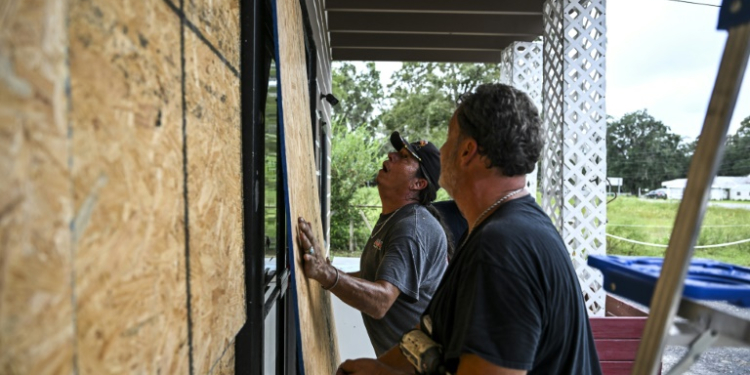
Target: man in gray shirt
pixel 406 255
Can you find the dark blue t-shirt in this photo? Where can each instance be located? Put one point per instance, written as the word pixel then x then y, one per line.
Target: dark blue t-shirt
pixel 512 297
pixel 453 219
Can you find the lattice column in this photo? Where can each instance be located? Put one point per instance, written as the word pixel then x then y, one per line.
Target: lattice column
pixel 574 164
pixel 521 67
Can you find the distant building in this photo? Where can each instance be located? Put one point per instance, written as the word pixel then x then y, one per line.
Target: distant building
pixel 740 193
pixel 723 188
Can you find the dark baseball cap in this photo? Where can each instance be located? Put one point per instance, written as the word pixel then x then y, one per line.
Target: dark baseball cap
pixel 426 153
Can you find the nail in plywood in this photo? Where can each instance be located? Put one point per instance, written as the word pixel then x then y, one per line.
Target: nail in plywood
pixel 219 22
pixel 129 235
pixel 318 333
pixel 214 203
pixel 36 321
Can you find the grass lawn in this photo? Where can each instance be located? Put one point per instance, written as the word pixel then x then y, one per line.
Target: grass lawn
pixel 644 220
pixel 651 221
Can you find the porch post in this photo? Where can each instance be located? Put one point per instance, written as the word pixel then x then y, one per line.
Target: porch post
pixel 521 67
pixel 574 162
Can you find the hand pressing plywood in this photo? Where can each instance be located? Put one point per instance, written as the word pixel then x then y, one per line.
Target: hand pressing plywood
pixel 317 330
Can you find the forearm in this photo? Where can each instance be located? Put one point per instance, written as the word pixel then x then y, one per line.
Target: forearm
pixel 372 298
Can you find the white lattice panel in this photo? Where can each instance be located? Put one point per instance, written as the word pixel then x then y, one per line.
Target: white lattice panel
pixel 574 164
pixel 521 67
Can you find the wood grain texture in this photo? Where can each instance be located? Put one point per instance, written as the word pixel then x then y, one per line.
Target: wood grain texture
pixel 616 367
pixel 225 366
pixel 318 332
pixel 617 327
pixel 36 320
pixel 219 22
pixel 618 307
pixel 129 233
pixel 616 349
pixel 215 203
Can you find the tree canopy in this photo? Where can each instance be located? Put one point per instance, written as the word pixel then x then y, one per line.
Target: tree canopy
pixel 423 96
pixel 736 160
pixel 644 151
pixel 360 96
pixel 420 101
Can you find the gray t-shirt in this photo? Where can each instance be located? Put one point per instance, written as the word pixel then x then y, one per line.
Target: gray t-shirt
pixel 410 252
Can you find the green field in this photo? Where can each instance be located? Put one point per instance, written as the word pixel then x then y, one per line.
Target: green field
pixel 651 221
pixel 643 220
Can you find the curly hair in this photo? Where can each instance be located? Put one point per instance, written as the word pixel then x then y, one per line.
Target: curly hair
pixel 506 126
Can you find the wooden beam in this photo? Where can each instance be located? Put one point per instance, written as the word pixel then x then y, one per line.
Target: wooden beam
pixel 426 41
pixel 483 24
pixel 439 6
pixel 358 54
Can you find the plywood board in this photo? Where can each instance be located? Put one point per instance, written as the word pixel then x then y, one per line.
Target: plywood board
pixel 127 165
pixel 225 366
pixel 318 332
pixel 36 320
pixel 219 22
pixel 214 203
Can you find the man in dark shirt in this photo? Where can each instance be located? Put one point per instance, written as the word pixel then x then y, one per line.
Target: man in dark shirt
pixel 453 220
pixel 510 301
pixel 406 255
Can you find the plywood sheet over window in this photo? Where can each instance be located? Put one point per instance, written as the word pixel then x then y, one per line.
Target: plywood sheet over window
pixel 214 203
pixel 36 321
pixel 319 347
pixel 218 21
pixel 129 234
pixel 225 366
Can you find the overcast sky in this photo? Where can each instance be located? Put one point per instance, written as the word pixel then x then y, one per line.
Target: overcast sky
pixel 662 56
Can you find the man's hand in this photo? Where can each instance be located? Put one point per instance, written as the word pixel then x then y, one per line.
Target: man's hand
pixel 365 366
pixel 372 298
pixel 315 266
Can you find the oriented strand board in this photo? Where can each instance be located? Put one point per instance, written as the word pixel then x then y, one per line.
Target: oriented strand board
pixel 219 22
pixel 225 366
pixel 36 321
pixel 129 235
pixel 215 203
pixel 319 346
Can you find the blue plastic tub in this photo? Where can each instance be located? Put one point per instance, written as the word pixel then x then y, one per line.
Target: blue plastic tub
pixel 635 278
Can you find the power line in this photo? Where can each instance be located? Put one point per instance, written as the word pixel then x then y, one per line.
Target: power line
pixel 671 226
pixel 664 246
pixel 696 3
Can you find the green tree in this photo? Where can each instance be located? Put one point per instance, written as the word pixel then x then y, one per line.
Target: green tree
pixel 423 96
pixel 360 96
pixel 644 151
pixel 354 161
pixel 736 160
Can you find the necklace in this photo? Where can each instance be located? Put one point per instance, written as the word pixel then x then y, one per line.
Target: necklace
pixel 482 216
pixel 497 203
pixel 386 222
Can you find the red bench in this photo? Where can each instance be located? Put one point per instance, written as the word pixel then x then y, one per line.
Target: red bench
pixel 617 336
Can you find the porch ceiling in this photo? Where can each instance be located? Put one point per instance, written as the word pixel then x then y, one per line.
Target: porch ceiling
pixel 430 30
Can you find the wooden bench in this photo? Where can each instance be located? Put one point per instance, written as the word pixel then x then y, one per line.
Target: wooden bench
pixel 617 336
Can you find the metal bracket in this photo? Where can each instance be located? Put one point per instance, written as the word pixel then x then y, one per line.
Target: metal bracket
pixel 734 13
pixel 695 349
pixel 705 326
